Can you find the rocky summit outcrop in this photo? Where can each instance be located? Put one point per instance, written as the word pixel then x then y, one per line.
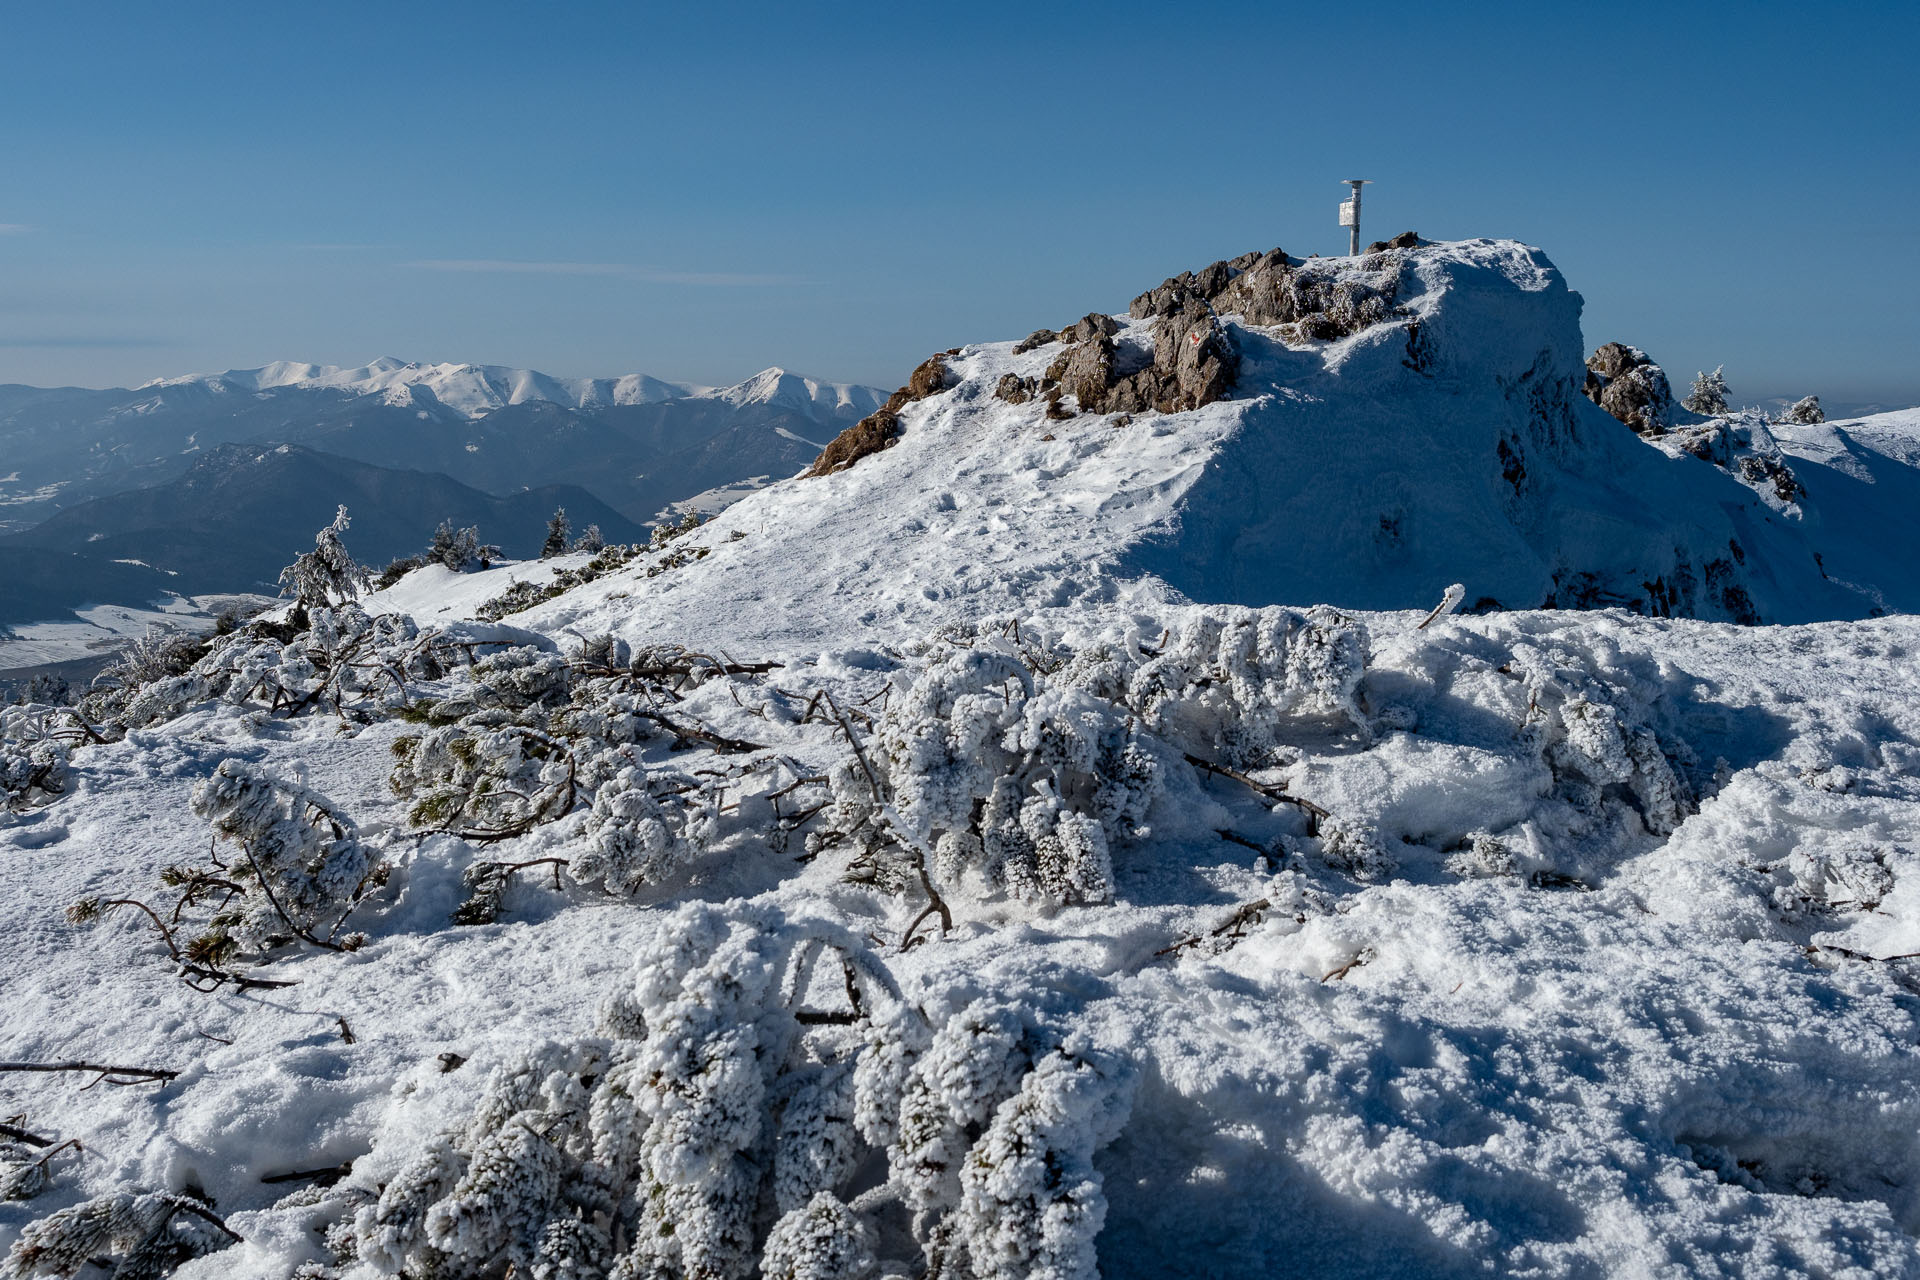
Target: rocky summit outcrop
pixel 1447 443
pixel 879 429
pixel 1193 359
pixel 1630 386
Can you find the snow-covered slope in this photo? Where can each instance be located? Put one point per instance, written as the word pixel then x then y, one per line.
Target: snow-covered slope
pixel 1448 444
pixel 1862 505
pixel 475 390
pixel 988 889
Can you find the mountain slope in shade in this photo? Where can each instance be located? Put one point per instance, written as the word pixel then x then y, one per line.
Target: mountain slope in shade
pixel 243 513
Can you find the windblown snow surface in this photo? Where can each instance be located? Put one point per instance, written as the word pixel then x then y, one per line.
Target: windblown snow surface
pixel 1600 961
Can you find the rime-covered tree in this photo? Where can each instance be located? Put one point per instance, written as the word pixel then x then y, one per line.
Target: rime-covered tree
pixel 460 549
pixel 1708 394
pixel 1807 411
pixel 558 531
pixel 590 539
pixel 325 574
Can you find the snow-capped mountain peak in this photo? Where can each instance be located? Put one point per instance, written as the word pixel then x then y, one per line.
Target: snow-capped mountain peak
pixel 475 390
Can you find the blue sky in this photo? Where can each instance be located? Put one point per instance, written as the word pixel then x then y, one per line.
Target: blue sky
pixel 699 191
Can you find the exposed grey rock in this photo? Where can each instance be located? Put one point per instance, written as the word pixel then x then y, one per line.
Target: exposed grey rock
pixel 1630 386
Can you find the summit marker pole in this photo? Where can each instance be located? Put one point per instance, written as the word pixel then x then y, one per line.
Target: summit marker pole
pixel 1350 214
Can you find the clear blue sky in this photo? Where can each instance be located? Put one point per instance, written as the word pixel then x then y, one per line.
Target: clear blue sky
pixel 701 190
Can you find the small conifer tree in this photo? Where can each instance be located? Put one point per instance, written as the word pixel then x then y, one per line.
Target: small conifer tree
pixel 558 531
pixel 1708 394
pixel 327 573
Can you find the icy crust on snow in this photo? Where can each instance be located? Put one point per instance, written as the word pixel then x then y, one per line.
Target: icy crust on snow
pixel 1589 963
pixel 1449 443
pixel 478 389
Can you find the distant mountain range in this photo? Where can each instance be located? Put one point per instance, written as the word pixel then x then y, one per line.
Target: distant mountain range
pixel 639 442
pixel 187 477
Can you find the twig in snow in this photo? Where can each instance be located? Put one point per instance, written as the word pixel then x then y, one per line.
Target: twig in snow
pixel 112 1075
pixel 17 1134
pixel 1243 916
pixel 1314 812
pixel 325 1177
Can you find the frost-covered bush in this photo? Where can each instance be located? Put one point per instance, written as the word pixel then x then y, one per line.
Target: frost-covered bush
pixel 1230 683
pixel 302 869
pixel 1585 760
pixel 33 756
pixel 998 774
pixel 142 1237
pixel 25 1172
pixel 632 838
pixel 1708 394
pixel 1008 766
pixel 715 1124
pixel 484 774
pixel 159 658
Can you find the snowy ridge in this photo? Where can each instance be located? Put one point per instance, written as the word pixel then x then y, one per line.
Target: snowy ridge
pixel 1338 472
pixel 477 390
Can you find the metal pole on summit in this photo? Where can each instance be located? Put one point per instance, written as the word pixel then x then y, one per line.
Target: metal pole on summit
pixel 1350 213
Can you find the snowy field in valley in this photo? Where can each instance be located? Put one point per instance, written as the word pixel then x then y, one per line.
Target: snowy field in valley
pixel 1042 858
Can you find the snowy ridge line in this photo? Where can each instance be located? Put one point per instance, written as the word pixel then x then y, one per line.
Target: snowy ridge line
pixel 477 390
pixel 1442 439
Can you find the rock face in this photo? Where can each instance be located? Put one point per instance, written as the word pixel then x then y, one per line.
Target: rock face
pixel 879 429
pixel 1630 386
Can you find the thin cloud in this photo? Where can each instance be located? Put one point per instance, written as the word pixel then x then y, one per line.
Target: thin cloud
pixel 14 228
pixel 604 270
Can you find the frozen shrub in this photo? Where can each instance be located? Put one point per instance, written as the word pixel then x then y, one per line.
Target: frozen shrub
pixel 632 839
pixel 397 569
pixel 303 866
pixel 1588 730
pixel 1229 683
pixel 1001 775
pixel 460 549
pixel 144 1237
pixel 484 773
pixel 1032 1204
pixel 31 772
pixel 820 1240
pixel 1708 395
pixel 25 1172
pixel 712 1129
